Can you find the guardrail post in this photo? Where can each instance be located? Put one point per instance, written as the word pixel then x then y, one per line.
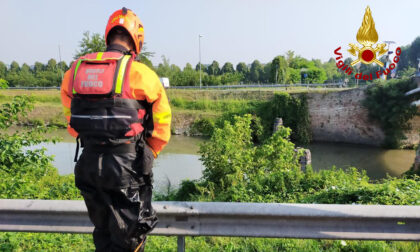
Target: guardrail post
pixel 181 243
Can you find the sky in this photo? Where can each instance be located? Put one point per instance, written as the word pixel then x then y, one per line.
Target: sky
pixel 233 30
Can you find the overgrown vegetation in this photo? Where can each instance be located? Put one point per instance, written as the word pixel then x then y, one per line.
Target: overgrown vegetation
pixel 293 109
pixel 236 170
pixel 20 166
pixel 387 104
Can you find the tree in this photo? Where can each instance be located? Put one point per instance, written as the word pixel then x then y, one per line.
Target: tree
pixel 331 70
pixel 51 65
pixel 143 59
pixel 188 67
pixel 316 75
pixel 14 67
pixel 293 76
pixel 279 70
pixel 255 71
pixel 230 78
pixel 414 52
pixel 38 67
pixel 48 79
pixel 299 63
pixel 289 56
pixel 227 68
pixel 62 66
pixel 144 53
pixel 3 70
pixel 213 69
pixel 25 67
pixel 243 69
pixel 407 72
pixel 211 80
pixel 188 77
pixel 265 75
pixel 164 68
pixel 90 44
pixel 96 43
pixel 197 67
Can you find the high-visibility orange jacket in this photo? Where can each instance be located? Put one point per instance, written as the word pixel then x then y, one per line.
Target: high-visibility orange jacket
pixel 145 86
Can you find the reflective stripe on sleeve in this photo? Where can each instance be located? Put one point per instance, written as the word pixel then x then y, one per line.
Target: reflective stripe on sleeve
pixel 162 117
pixel 67 111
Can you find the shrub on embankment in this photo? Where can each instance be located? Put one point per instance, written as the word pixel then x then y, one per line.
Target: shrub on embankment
pixel 236 169
pixel 388 105
pixel 293 109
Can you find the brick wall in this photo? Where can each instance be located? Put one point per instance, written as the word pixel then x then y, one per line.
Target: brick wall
pixel 340 117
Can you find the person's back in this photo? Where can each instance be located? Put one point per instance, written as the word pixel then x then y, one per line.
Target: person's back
pixel 119 110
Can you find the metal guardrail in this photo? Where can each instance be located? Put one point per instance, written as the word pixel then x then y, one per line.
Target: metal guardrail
pixel 338 85
pixel 35 88
pixel 320 221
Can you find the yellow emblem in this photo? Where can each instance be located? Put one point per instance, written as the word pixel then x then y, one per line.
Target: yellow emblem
pixel 367 36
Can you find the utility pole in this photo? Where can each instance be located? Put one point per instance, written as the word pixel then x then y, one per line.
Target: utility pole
pixel 59 55
pixel 199 54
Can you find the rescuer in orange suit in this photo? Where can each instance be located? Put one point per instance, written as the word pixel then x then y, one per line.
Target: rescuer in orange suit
pixel 119 112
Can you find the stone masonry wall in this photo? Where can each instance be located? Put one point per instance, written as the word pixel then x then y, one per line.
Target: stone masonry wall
pixel 340 117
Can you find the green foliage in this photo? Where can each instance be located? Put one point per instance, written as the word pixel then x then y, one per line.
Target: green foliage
pixel 388 105
pixel 407 72
pixel 279 70
pixel 238 170
pixel 227 68
pixel 3 70
pixel 293 76
pixel 294 112
pixel 41 76
pixel 243 69
pixel 256 71
pixel 203 127
pixel 316 75
pixel 231 78
pixel 213 68
pixel 292 109
pixel 90 44
pixel 4 84
pixel 20 166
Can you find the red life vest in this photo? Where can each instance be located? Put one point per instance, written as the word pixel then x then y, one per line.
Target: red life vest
pixel 102 105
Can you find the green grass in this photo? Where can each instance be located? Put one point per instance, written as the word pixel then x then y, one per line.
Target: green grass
pixel 83 242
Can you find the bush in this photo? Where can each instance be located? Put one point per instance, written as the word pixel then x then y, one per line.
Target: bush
pixel 20 168
pixel 388 105
pixel 203 127
pixel 294 112
pixel 238 170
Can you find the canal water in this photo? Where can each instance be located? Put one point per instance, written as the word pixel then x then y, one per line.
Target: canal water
pixel 179 160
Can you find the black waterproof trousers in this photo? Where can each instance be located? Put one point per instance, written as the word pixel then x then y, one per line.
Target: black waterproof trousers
pixel 116 184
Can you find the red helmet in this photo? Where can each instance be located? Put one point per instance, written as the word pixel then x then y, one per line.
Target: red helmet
pixel 129 21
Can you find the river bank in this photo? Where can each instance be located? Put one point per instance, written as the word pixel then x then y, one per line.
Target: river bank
pixel 334 115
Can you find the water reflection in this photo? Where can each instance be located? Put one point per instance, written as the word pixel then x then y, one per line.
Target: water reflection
pixel 376 161
pixel 180 160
